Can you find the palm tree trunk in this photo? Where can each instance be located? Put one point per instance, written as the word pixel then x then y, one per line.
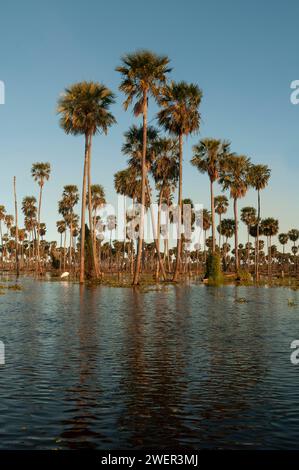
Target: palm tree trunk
pixel 83 207
pixel 64 251
pixel 257 237
pixel 156 236
pixel 94 255
pixel 71 238
pixel 236 235
pixel 213 218
pixel 180 198
pixel 270 257
pixel 17 230
pixel 159 228
pixel 38 225
pixel 143 183
pixel 60 257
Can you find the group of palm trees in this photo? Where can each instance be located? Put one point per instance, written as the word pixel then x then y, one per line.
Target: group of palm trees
pixel 84 109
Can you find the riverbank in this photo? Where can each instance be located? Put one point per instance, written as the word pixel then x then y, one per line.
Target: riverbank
pixel 149 281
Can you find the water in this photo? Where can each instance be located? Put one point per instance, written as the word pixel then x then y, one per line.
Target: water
pixel 109 368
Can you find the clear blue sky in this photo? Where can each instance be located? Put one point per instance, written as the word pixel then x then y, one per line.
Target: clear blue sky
pixel 243 54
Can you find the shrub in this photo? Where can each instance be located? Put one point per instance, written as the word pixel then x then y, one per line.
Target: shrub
pixel 213 269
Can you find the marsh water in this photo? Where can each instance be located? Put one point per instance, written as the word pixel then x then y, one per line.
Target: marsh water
pixel 183 366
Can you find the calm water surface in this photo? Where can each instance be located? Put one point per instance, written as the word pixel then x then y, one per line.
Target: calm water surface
pixel 109 368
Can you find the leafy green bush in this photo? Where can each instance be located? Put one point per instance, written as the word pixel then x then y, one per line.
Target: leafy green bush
pixel 244 276
pixel 213 269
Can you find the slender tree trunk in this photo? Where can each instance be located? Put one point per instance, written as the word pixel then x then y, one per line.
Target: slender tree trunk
pixel 94 255
pixel 257 237
pixel 60 257
pixel 17 230
pixel 236 236
pixel 270 257
pixel 143 184
pixel 71 238
pixel 213 218
pixel 157 244
pixel 159 228
pixel 64 251
pixel 180 198
pixel 83 208
pixel 38 225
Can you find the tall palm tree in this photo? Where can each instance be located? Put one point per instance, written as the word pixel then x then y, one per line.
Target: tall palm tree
pixel 143 73
pixel 180 117
pixel 98 200
pixel 283 240
pixel 70 198
pixel 259 176
pixel 165 171
pixel 208 158
pixel 248 217
pixel 84 109
pixel 235 178
pixel 227 228
pixel 294 236
pixel 270 228
pixel 133 147
pixel 206 225
pixel 61 228
pixel 40 172
pixel 221 206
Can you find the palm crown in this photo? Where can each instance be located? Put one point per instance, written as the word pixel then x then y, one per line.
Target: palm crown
pixel 180 102
pixel 142 72
pixel 84 108
pixel 40 172
pixel 209 154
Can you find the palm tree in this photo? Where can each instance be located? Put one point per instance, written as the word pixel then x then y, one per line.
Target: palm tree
pixel 143 73
pixel 259 176
pixel 206 225
pixel 98 200
pixel 293 236
pixel 248 216
pixel 180 117
pixel 84 109
pixel 283 240
pixel 235 178
pixel 61 228
pixel 227 230
pixel 29 210
pixel 165 170
pixel 208 157
pixel 133 147
pixel 70 198
pixel 40 172
pixel 270 228
pixel 221 206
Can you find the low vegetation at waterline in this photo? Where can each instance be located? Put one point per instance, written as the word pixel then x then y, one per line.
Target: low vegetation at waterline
pixel 154 162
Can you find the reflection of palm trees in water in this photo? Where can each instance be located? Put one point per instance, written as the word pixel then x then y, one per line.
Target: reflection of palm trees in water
pixel 84 395
pixel 155 355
